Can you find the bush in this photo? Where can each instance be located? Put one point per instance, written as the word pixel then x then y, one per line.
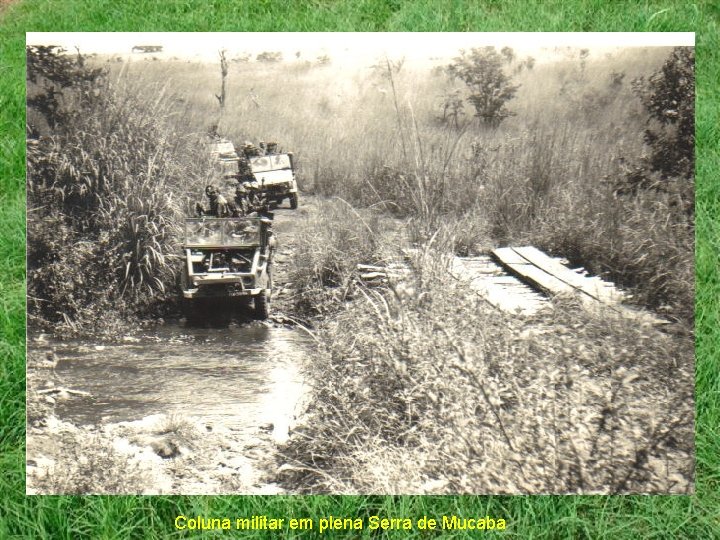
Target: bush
pixel 669 97
pixel 331 243
pixel 269 56
pixel 90 465
pixel 103 205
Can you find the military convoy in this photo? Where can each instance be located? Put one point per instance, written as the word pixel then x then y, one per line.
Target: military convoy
pixel 231 257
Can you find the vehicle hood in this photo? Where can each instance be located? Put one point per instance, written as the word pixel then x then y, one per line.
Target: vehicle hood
pixel 275 177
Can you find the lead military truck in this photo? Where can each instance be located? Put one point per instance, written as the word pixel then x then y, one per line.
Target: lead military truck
pixel 228 258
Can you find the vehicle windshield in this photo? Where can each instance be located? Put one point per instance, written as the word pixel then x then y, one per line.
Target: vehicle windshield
pixel 272 162
pixel 225 232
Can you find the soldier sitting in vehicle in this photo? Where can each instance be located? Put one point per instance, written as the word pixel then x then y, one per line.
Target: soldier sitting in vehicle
pixel 245 173
pixel 218 204
pixel 250 150
pixel 241 205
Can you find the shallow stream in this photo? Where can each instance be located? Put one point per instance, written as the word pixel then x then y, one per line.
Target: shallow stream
pixel 237 376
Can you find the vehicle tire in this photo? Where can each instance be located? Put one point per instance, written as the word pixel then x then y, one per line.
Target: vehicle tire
pixel 183 280
pixel 293 201
pixel 270 276
pixel 189 309
pixel 186 304
pixel 262 305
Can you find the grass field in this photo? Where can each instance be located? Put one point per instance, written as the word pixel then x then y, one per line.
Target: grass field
pixel 693 516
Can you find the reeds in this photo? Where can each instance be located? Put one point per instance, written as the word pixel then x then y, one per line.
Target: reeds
pixel 105 203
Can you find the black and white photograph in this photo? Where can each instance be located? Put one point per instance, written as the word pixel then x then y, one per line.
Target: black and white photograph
pixel 360 263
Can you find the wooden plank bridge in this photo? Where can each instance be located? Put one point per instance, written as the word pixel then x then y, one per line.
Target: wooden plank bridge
pixel 552 277
pixel 490 281
pixel 519 280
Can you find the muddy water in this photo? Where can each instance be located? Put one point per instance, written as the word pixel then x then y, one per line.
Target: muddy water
pixel 240 377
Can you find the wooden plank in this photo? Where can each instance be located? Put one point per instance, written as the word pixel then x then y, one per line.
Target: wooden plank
pixel 588 286
pixel 504 279
pixel 520 266
pixel 373 275
pixel 508 255
pixel 543 280
pixel 593 286
pixel 553 277
pixel 500 290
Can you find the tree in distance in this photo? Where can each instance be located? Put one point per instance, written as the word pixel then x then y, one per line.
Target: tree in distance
pixel 669 98
pixel 481 69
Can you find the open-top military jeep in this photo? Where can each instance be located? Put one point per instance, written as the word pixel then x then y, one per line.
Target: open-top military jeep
pixel 228 258
pixel 275 174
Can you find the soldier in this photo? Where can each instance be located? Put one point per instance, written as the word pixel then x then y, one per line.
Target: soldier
pixel 218 204
pixel 213 132
pixel 245 173
pixel 242 203
pixel 250 150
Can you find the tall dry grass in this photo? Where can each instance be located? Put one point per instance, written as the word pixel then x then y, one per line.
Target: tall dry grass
pixel 425 389
pixel 331 241
pixel 546 176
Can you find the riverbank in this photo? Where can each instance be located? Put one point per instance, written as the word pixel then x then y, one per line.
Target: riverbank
pixel 157 455
pixel 565 401
pixel 161 452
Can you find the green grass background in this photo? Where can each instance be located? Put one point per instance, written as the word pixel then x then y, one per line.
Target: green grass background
pixel 696 516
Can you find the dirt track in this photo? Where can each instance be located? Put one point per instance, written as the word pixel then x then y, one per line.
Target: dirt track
pixel 284 224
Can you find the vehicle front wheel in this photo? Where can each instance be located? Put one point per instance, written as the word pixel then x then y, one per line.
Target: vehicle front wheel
pixel 262 305
pixel 189 309
pixel 293 200
pixel 187 306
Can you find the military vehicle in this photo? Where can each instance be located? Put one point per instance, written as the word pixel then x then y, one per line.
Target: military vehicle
pixel 275 174
pixel 224 158
pixel 228 258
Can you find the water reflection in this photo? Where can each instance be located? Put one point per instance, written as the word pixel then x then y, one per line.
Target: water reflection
pixel 239 376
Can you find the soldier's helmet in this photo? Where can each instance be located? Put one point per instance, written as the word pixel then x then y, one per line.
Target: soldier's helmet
pixel 250 150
